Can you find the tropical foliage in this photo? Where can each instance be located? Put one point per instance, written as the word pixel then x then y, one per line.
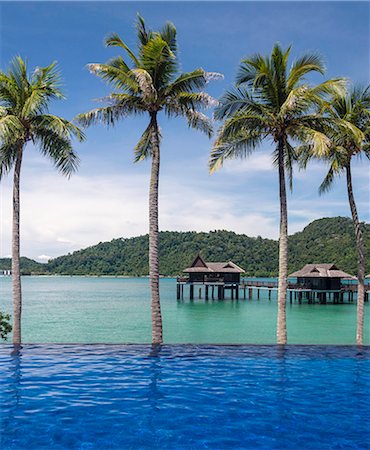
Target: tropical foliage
pixel 28 266
pixel 274 102
pixel 149 82
pixel 24 119
pixel 5 326
pixel 347 142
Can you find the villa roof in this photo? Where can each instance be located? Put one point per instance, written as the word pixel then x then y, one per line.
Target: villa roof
pixel 201 266
pixel 320 271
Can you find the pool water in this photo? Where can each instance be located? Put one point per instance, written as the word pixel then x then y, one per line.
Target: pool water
pixel 184 397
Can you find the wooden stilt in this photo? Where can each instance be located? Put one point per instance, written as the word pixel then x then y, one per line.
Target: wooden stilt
pixel 237 292
pixel 206 293
pixel 178 291
pixel 191 292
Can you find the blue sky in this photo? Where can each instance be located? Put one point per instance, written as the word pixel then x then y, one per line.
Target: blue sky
pixel 108 197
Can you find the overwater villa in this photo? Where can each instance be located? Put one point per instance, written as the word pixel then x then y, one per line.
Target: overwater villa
pixel 223 275
pixel 320 277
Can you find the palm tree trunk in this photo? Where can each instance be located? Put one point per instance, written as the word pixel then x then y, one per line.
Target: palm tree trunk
pixel 283 252
pixel 157 331
pixel 16 270
pixel 360 259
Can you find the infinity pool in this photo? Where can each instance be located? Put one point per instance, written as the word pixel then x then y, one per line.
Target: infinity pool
pixel 182 397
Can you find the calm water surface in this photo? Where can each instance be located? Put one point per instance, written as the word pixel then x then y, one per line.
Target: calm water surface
pixel 184 397
pixel 117 310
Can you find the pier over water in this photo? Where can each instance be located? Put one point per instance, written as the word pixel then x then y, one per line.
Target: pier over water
pixel 315 283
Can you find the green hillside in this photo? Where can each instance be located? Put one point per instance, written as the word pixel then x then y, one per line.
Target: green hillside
pixel 324 240
pixel 28 266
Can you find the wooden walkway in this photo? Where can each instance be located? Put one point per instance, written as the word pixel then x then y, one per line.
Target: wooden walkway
pixel 249 289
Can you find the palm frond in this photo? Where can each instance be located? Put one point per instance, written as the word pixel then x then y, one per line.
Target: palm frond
pixel 8 154
pixel 143 148
pixel 187 82
pixel 159 61
pixel 143 34
pixel 194 100
pixel 240 146
pixel 57 125
pixel 10 127
pixel 145 82
pixel 257 73
pixel 120 106
pixel 311 62
pixel 120 79
pixel 199 122
pixel 114 40
pixel 168 34
pixel 59 150
pixel 107 115
pixel 328 181
pixel 333 88
pixel 236 101
pixel 244 123
pixel 319 142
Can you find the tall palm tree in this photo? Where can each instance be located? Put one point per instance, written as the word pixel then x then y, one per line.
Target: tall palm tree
pixel 348 142
pixel 147 83
pixel 24 118
pixel 273 102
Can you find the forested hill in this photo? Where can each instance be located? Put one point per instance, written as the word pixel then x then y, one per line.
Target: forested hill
pixel 28 265
pixel 324 240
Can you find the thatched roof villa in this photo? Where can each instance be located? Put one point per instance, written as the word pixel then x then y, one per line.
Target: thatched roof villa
pixel 325 277
pixel 220 275
pixel 224 272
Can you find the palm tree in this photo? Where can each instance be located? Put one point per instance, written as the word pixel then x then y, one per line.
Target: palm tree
pixel 353 140
pixel 271 101
pixel 24 118
pixel 148 83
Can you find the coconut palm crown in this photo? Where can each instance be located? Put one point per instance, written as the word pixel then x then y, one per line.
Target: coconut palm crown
pixel 148 82
pixel 24 118
pixel 274 102
pixel 353 140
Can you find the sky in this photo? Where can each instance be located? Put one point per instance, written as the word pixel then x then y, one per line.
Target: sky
pixel 108 197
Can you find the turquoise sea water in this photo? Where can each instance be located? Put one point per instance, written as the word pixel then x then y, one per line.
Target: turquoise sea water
pixel 117 310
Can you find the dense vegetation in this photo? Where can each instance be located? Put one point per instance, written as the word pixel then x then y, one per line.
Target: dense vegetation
pixel 28 266
pixel 5 326
pixel 324 240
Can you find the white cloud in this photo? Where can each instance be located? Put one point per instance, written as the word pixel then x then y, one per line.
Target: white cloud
pixel 59 216
pixel 44 257
pixel 257 162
